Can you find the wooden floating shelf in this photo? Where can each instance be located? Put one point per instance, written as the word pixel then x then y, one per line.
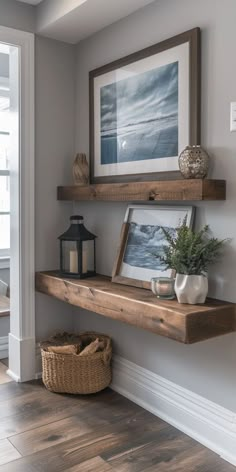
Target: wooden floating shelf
pixel 138 307
pixel 162 190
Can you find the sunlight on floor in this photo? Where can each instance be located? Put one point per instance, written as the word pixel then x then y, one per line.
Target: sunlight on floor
pixel 4 378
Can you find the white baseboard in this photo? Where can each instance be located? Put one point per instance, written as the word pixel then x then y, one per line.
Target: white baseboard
pixel 13 376
pixel 21 359
pixel 4 347
pixel 206 422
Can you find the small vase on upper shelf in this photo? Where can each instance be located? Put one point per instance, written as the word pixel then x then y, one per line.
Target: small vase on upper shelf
pixel 81 170
pixel 194 162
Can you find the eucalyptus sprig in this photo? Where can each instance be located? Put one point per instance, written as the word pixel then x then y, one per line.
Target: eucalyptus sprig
pixel 189 252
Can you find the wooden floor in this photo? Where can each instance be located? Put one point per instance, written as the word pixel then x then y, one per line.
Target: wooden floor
pixel 4 378
pixel 46 432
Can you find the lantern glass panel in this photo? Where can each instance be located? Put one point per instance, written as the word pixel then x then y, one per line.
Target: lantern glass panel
pixel 72 252
pixel 70 256
pixel 88 256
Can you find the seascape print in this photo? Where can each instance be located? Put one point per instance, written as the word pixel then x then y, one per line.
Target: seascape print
pixel 139 116
pixel 142 242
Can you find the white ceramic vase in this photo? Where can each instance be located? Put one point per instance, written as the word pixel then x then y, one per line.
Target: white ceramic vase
pixel 191 289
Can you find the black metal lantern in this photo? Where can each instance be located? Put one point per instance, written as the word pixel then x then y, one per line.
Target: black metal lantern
pixel 77 250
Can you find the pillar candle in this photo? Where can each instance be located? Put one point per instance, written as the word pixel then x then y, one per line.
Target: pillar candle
pixel 74 261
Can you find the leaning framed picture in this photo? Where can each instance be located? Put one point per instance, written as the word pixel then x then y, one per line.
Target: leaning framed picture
pixel 144 110
pixel 141 238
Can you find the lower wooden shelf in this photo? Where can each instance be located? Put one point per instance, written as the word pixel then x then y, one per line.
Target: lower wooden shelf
pixel 138 307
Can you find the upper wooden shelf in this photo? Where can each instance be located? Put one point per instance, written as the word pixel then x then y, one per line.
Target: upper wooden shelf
pixel 185 323
pixel 162 190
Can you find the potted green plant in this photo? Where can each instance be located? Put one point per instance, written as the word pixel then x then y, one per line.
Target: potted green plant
pixel 190 253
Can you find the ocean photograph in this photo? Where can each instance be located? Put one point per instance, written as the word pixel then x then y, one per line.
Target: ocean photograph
pixel 139 116
pixel 144 241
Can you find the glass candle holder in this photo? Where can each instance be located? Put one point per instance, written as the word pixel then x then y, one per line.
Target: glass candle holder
pixel 163 287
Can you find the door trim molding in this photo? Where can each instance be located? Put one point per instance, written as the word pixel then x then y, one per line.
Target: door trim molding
pixel 22 319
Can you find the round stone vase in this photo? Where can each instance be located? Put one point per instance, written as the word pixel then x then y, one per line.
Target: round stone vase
pixel 194 162
pixel 191 289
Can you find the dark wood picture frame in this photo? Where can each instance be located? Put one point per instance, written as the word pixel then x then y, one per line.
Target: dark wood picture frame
pixel 116 277
pixel 193 37
pixel 116 273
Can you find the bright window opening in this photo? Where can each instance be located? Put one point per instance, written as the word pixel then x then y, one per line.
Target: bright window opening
pixel 4 152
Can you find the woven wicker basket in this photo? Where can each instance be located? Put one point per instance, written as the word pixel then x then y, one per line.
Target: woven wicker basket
pixel 70 373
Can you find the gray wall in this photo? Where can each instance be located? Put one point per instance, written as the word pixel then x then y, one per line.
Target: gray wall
pixel 55 98
pixel 207 368
pixel 17 15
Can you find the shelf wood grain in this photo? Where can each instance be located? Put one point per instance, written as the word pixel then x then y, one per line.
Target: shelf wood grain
pixel 139 307
pixel 162 190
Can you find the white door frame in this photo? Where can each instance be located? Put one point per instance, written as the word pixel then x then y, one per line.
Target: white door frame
pixel 22 265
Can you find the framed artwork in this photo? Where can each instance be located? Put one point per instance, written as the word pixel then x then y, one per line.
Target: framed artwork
pixel 144 110
pixel 141 238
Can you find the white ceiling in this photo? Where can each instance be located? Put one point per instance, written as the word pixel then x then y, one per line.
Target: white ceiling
pixel 73 20
pixel 31 2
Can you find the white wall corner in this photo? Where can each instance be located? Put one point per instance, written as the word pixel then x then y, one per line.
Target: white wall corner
pixel 3 347
pixel 206 422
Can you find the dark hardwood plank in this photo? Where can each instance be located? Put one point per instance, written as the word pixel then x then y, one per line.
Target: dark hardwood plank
pixel 30 396
pixel 8 452
pixel 30 413
pixel 28 403
pixel 4 378
pixel 97 464
pixel 10 391
pixel 136 306
pixel 196 459
pixel 49 435
pixel 99 433
pixel 77 419
pixel 154 452
pixel 114 439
